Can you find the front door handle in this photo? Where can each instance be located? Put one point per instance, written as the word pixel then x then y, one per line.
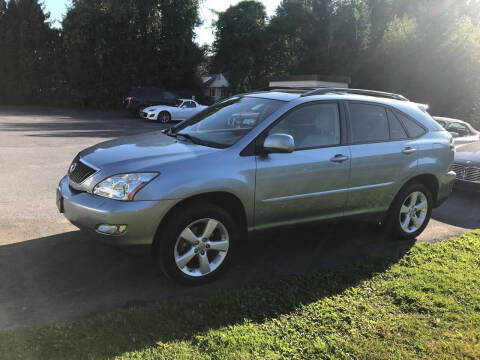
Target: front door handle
pixel 409 150
pixel 339 158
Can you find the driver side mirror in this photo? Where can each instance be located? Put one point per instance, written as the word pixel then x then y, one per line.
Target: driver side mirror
pixel 279 143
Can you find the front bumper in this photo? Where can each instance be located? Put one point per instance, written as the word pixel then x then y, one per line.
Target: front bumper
pixel 148 115
pixel 87 211
pixel 446 183
pixel 468 186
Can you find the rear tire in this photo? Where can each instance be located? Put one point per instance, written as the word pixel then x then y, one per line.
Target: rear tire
pixel 410 212
pixel 196 243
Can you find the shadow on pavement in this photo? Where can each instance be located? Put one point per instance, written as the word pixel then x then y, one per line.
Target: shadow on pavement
pixel 66 276
pixel 73 123
pixel 462 209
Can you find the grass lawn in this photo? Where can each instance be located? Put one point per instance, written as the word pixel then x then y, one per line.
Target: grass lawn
pixel 419 302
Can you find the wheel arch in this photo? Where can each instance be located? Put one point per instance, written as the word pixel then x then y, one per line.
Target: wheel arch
pixel 164 111
pixel 225 200
pixel 429 180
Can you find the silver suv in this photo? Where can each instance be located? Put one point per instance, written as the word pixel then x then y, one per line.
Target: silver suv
pixel 258 161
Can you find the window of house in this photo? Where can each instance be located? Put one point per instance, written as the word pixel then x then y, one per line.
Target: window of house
pixel 212 92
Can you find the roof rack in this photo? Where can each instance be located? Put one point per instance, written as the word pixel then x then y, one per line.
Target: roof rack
pixel 327 90
pixel 290 89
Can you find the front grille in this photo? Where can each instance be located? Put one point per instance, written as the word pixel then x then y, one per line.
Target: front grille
pixel 467 173
pixel 78 171
pixel 459 169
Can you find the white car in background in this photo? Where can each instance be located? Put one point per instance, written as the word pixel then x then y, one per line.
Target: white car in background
pixel 462 132
pixel 183 109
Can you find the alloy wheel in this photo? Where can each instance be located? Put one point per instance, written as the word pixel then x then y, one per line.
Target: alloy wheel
pixel 201 247
pixel 164 117
pixel 413 212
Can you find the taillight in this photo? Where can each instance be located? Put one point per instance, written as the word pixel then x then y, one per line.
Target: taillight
pixel 452 144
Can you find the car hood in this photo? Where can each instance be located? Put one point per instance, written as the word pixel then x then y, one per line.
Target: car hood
pixel 141 152
pixel 469 153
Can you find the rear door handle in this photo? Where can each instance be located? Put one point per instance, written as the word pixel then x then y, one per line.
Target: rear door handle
pixel 339 158
pixel 408 150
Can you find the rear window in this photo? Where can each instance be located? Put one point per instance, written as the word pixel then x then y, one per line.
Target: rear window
pixel 397 132
pixel 369 123
pixel 414 130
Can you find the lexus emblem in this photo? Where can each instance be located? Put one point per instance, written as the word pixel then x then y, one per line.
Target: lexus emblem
pixel 73 167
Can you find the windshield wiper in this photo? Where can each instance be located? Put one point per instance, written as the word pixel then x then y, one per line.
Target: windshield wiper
pixel 169 132
pixel 198 141
pixel 187 136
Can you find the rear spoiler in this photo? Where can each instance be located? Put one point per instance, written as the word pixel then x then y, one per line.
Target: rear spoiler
pixel 423 107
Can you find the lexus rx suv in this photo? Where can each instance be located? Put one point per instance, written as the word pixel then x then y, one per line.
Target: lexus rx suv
pixel 260 161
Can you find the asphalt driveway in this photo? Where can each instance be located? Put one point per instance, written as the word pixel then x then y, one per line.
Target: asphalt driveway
pixel 49 271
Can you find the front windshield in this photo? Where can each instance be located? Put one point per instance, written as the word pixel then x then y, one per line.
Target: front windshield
pixel 228 121
pixel 178 103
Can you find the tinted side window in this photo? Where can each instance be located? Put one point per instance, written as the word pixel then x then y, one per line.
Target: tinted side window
pixel 413 129
pixel 369 123
pixel 397 132
pixel 311 126
pixel 190 104
pixel 459 128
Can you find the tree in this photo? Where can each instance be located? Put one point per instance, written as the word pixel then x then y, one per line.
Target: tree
pixel 239 45
pixel 113 45
pixel 29 50
pixel 290 40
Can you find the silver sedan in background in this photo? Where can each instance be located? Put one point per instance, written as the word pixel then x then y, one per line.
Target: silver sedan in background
pixel 462 132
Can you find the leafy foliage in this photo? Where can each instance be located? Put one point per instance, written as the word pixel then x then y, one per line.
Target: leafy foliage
pixel 105 47
pixel 426 50
pixel 239 51
pixel 29 52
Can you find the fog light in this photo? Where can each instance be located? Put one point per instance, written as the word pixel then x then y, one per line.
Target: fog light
pixel 111 229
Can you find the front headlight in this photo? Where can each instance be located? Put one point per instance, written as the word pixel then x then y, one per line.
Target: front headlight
pixel 123 186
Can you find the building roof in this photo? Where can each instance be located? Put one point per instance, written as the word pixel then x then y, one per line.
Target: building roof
pixel 209 79
pixel 314 77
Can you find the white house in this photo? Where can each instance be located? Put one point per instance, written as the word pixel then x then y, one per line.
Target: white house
pixel 310 81
pixel 216 86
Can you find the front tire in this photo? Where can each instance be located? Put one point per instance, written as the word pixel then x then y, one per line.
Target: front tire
pixel 164 117
pixel 196 243
pixel 411 211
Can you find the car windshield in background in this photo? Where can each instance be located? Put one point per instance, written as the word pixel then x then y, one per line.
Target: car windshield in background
pixel 227 122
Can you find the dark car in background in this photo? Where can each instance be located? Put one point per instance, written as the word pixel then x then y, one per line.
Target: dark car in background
pixel 467 167
pixel 139 98
pixel 462 132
